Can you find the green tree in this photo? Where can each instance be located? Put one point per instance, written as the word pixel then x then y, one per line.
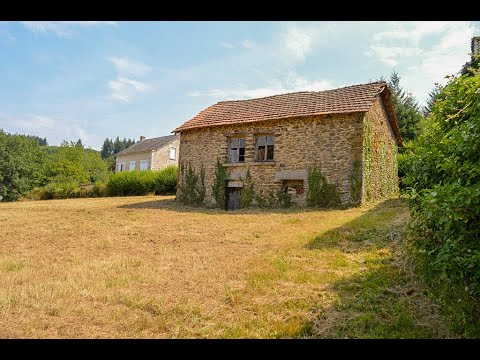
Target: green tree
pixel 406 108
pixel 21 160
pixel 79 144
pixel 432 97
pixel 74 164
pixel 444 174
pixel 107 148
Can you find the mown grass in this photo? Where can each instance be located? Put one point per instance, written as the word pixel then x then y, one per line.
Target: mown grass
pixel 149 267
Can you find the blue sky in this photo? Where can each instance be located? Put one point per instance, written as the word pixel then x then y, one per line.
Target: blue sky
pixel 92 80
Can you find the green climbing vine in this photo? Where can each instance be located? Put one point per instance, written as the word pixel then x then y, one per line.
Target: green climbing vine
pixel 382 164
pixel 192 186
pixel 356 182
pixel 220 184
pixel 367 160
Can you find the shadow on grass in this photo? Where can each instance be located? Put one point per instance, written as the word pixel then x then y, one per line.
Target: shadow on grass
pixel 385 299
pixel 378 226
pixel 174 205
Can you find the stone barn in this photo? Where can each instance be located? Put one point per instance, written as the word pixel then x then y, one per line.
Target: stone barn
pixel 351 134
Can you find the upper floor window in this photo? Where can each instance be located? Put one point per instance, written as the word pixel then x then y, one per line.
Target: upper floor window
pixel 264 146
pixel 236 150
pixel 173 153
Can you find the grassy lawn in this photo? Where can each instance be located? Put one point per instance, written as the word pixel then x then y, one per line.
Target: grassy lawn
pixel 149 267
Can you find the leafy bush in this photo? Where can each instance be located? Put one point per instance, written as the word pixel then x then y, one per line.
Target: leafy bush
pixel 443 173
pixel 65 164
pixel 274 199
pixel 65 190
pixel 220 184
pixel 166 181
pixel 320 192
pixel 247 191
pixel 192 185
pixel 140 182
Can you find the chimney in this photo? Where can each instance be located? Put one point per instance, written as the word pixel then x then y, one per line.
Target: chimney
pixel 475 45
pixel 142 138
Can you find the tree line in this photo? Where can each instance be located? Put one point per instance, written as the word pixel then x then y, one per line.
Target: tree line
pixel 111 148
pixel 28 162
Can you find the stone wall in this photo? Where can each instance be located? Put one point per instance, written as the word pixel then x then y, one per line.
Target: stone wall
pixel 380 167
pixel 161 156
pixel 331 141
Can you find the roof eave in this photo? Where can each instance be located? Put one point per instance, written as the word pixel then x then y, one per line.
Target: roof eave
pixel 180 129
pixel 387 101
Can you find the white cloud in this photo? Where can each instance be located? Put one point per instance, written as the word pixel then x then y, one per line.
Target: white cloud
pixel 129 67
pixel 124 88
pixel 423 52
pixel 413 32
pixel 28 121
pixel 126 84
pixel 247 44
pixel 390 54
pixel 291 83
pixel 227 45
pixel 298 41
pixel 63 28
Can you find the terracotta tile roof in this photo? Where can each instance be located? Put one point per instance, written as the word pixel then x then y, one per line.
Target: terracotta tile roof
pixel 148 144
pixel 356 98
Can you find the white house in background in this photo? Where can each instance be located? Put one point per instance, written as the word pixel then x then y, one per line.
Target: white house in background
pixel 149 154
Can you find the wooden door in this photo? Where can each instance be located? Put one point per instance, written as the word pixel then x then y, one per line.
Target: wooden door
pixel 234 198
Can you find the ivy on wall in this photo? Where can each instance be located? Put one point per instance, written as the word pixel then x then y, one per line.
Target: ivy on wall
pixel 367 161
pixel 356 182
pixel 380 166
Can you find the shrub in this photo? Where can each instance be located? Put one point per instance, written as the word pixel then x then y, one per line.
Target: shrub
pixel 166 181
pixel 219 184
pixel 247 191
pixel 140 182
pixel 443 173
pixel 274 199
pixel 192 186
pixel 320 192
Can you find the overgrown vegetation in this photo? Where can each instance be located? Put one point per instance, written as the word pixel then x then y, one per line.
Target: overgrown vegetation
pixel 443 173
pixel 320 193
pixel 128 183
pixel 273 199
pixel 192 186
pixel 21 161
pixel 368 161
pixel 247 191
pixel 219 184
pixel 356 182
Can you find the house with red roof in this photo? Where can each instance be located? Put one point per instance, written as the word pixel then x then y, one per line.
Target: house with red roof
pixel 351 134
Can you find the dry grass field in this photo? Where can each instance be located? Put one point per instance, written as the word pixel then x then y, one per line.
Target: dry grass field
pixel 147 267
